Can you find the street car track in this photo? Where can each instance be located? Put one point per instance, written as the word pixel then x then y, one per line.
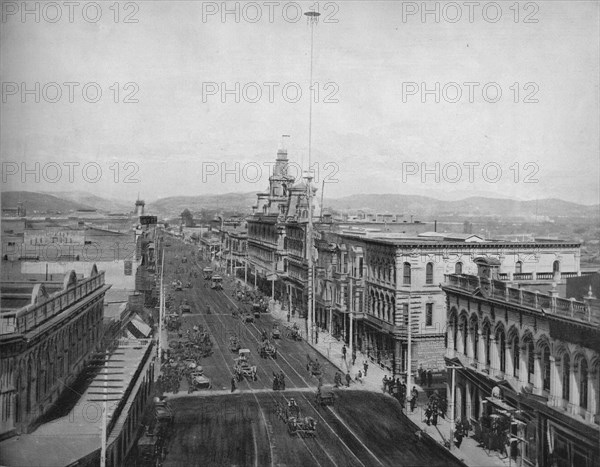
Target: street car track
pixel 315 409
pixel 210 297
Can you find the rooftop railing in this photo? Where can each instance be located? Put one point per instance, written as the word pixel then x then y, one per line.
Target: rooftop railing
pixel 549 304
pixel 29 317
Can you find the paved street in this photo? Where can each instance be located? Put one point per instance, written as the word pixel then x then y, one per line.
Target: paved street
pixel 216 427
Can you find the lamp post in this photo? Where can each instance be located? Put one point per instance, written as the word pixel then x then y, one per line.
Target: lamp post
pixel 452 404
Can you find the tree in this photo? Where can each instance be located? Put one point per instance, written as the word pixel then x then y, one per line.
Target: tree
pixel 186 218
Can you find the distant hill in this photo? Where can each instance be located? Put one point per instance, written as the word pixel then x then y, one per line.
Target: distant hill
pixel 421 207
pixel 426 207
pixel 174 205
pixel 102 204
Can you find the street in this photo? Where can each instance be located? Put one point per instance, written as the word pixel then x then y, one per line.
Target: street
pixel 217 427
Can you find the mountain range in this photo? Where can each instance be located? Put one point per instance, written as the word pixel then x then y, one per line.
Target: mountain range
pixel 420 207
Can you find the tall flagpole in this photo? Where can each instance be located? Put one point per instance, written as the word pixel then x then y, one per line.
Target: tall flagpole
pixel 313 17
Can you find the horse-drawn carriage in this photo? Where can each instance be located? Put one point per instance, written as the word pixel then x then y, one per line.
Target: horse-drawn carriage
pixel 217 283
pixel 234 344
pixel 294 333
pixel 306 426
pixel 199 381
pixel 207 273
pixel 297 425
pixel 325 396
pixel 266 350
pixel 242 369
pixel 314 366
pixel 275 333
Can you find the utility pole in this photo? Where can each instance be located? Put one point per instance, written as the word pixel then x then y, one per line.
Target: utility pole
pixel 351 309
pixel 104 415
pixel 161 304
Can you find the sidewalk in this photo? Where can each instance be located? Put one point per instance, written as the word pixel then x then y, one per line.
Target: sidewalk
pixel 331 348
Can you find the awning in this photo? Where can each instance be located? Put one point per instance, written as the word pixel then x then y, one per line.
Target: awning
pixel 138 328
pixel 500 404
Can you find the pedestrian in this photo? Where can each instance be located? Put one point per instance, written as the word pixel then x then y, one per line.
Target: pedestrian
pixel 359 376
pixel 458 435
pixel 429 377
pixel 414 394
pixel 353 356
pixel 348 379
pixel 366 367
pixel 421 375
pixel 288 316
pixel 344 352
pixel 232 383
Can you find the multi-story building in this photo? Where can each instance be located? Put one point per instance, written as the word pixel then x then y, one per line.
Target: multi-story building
pixel 395 280
pixel 527 367
pixel 277 236
pixel 48 332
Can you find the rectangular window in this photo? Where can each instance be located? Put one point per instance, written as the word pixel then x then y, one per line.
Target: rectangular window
pixel 429 314
pixel 405 313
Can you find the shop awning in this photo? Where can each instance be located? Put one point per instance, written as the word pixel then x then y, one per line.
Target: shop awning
pixel 138 328
pixel 500 404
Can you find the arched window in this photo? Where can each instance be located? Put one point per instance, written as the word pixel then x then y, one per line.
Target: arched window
pixel 429 273
pixel 465 330
pixel 516 356
pixel 545 354
pixel 518 267
pixel 406 274
pixel 583 383
pixel 566 370
pixel 458 268
pixel 475 331
pixel 501 343
pixel 487 336
pixel 455 332
pixel 556 267
pixel 530 360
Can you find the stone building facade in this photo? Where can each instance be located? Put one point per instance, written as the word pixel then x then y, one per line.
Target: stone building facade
pixel 530 358
pixel 48 331
pixel 396 281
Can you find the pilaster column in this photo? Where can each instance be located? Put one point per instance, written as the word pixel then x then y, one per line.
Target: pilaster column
pixel 460 348
pixel 555 382
pixel 523 365
pixel 574 389
pixel 450 348
pixel 508 360
pixel 494 357
pixel 469 401
pixel 470 343
pixel 593 382
pixel 538 382
pixel 480 351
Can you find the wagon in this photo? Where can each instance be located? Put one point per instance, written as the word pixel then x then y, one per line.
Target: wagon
pixel 234 344
pixel 302 427
pixel 275 333
pixel 207 273
pixel 199 381
pixel 266 350
pixel 217 283
pixel 325 396
pixel 247 318
pixel 242 368
pixel 294 333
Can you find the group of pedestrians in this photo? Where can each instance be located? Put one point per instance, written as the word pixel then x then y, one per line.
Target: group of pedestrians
pixel 425 377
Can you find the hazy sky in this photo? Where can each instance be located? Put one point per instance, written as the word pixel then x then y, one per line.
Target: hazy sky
pixel 372 61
